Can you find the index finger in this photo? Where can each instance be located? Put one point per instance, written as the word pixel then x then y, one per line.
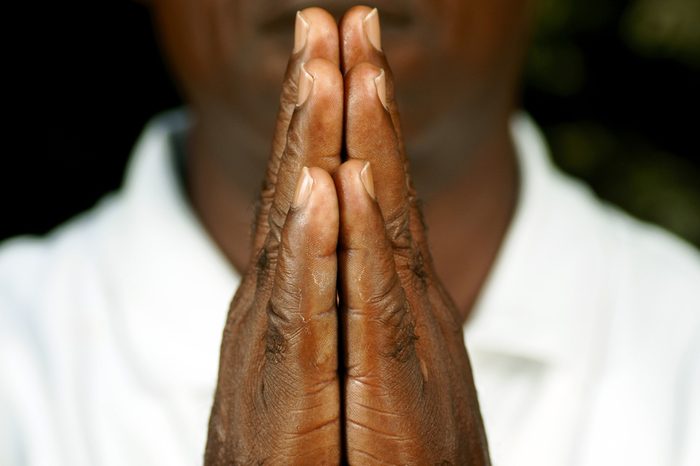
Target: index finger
pixel 361 39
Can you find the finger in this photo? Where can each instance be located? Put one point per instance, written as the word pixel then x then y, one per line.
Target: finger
pixel 278 397
pixel 361 40
pixel 316 36
pixel 360 36
pixel 301 316
pixel 370 136
pixel 314 139
pixel 301 357
pixel 379 327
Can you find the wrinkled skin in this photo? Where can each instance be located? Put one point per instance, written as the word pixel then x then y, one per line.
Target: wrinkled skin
pixel 278 397
pixel 384 377
pixel 409 394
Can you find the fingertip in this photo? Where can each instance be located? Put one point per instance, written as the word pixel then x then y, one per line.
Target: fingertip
pixel 315 190
pixel 367 179
pixel 355 188
pixel 372 29
pixel 323 195
pixel 358 178
pixel 354 17
pixel 328 82
pixel 318 217
pixel 366 83
pixel 352 23
pixel 347 177
pixel 305 85
pixel 322 40
pixel 360 35
pixel 318 16
pixel 301 32
pixel 305 186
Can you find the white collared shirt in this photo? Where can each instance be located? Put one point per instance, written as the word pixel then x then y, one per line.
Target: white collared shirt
pixel 585 341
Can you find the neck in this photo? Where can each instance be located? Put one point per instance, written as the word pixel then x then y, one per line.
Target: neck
pixel 225 168
pixel 468 217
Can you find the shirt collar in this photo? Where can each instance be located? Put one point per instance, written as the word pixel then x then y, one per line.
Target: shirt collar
pixel 173 285
pixel 542 298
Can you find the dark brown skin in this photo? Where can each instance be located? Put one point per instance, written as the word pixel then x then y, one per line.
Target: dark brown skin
pixel 384 377
pixel 278 396
pixel 407 393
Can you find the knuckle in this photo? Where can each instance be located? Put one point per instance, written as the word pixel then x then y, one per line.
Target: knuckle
pixel 419 272
pixel 282 329
pixel 398 231
pixel 403 341
pixel 275 345
pixel 294 141
pixel 284 306
pixel 288 96
pixel 262 263
pixel 263 266
pixel 387 301
pixel 416 206
pixel 395 315
pixel 267 192
pixel 276 218
pixel 392 312
pixel 261 208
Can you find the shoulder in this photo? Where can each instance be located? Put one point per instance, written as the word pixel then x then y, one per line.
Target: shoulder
pixel 51 292
pixel 53 288
pixel 630 294
pixel 50 271
pixel 646 358
pixel 36 271
pixel 657 283
pixel 641 272
pixel 646 280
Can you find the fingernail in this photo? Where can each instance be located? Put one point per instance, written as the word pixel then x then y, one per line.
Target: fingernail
pixel 304 188
pixel 301 33
pixel 306 83
pixel 373 30
pixel 368 180
pixel 380 82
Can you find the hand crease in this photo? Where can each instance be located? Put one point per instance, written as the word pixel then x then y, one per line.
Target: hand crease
pixel 386 435
pixel 315 428
pixel 377 410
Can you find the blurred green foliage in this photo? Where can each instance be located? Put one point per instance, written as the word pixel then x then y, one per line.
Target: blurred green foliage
pixel 615 85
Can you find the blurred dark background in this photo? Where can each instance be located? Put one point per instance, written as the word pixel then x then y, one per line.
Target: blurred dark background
pixel 615 84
